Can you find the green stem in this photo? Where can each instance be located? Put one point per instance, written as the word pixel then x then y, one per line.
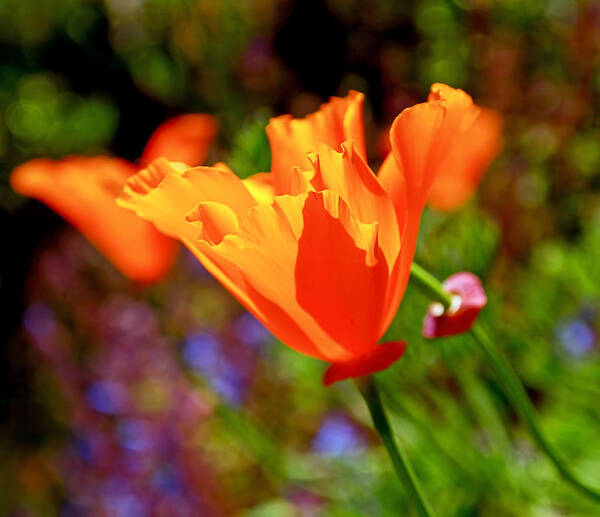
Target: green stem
pixel 510 382
pixel 431 284
pixel 520 399
pixel 368 390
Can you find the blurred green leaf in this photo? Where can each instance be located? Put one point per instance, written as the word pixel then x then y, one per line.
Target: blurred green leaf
pixel 250 152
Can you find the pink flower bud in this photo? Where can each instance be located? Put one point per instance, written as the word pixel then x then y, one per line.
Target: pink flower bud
pixel 468 298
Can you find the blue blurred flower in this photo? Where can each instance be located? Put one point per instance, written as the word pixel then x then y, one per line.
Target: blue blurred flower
pixel 250 331
pixel 228 383
pixel 194 266
pixel 135 435
pixel 168 479
pixel 338 436
pixel 106 397
pixel 83 447
pixel 126 505
pixel 576 337
pixel 203 353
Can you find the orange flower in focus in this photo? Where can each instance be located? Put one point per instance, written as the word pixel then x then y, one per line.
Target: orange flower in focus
pixel 459 170
pixel 319 250
pixel 83 190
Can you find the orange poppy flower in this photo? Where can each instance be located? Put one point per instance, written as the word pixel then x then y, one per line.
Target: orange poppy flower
pixel 319 252
pixel 83 190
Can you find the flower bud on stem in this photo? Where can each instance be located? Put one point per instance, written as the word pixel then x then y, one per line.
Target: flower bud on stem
pixel 510 382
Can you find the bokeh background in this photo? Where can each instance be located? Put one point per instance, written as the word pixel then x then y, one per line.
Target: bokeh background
pixel 171 400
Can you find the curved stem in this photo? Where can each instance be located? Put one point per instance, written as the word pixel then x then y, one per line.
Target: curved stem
pixel 518 396
pixel 431 284
pixel 511 383
pixel 368 389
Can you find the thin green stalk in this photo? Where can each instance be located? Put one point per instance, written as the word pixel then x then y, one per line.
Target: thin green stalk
pixel 510 382
pixel 520 399
pixel 431 284
pixel 368 390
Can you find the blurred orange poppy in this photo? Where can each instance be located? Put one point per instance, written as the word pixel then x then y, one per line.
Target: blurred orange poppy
pixel 83 190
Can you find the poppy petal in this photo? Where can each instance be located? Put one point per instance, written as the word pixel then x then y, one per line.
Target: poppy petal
pixel 83 191
pixel 466 162
pixel 185 138
pixel 338 120
pixel 391 176
pixel 347 174
pixel 416 147
pixel 261 187
pixel 379 359
pixel 217 221
pixel 168 194
pixel 294 258
pixel 164 193
pixel 407 177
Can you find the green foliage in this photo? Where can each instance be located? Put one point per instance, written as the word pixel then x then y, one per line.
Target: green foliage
pixel 250 151
pixel 158 74
pixel 464 241
pixel 47 119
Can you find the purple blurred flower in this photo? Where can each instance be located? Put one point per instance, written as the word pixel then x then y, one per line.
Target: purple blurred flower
pixel 126 321
pixel 200 352
pixel 40 323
